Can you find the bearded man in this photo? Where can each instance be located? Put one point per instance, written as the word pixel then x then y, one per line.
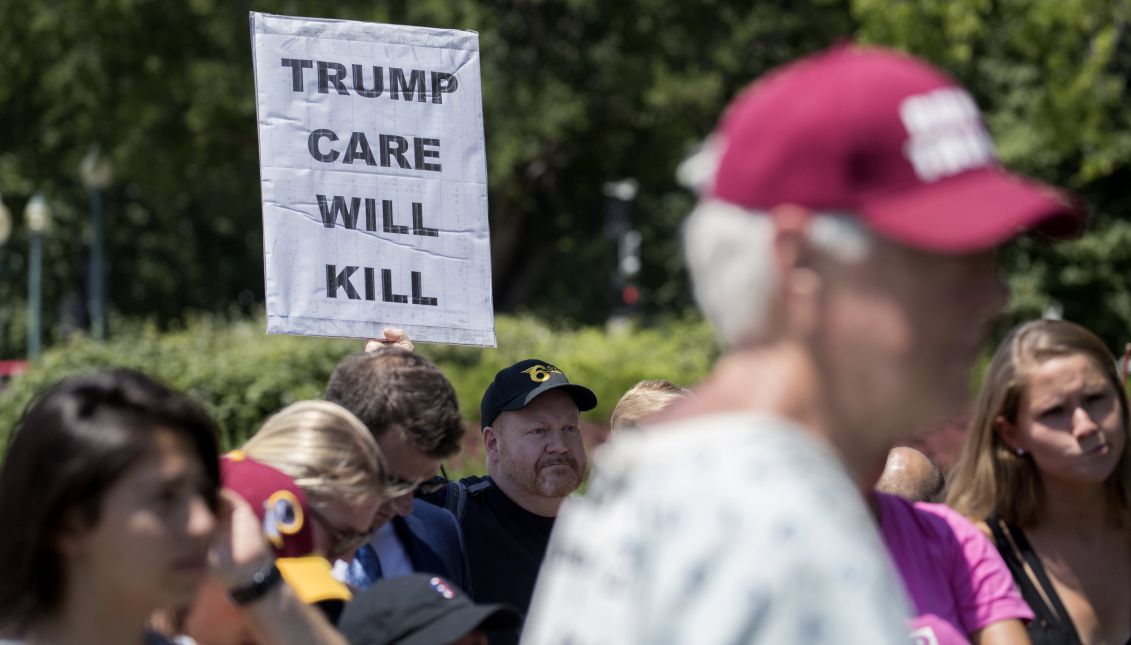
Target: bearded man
pixel 531 417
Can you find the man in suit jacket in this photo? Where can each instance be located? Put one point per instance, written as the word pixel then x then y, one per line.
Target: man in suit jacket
pixel 411 409
pixel 427 540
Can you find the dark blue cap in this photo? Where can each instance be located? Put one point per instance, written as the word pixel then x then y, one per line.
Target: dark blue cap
pixel 516 386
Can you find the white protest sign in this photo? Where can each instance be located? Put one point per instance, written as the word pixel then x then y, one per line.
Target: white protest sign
pixel 374 179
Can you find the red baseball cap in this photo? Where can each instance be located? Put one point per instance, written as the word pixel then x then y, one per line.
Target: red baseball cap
pixel 285 513
pixel 887 138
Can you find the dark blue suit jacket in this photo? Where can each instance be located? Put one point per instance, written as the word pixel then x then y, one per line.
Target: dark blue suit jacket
pixel 434 543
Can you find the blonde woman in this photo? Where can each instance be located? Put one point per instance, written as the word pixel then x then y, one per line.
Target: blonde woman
pixel 1045 465
pixel 338 470
pixel 643 400
pixel 334 459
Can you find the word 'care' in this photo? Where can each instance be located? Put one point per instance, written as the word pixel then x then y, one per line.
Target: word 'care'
pixel 390 147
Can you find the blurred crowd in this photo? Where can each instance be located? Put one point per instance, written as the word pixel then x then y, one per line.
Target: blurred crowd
pixel 843 248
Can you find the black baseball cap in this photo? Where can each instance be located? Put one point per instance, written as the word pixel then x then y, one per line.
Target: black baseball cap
pixel 516 386
pixel 419 609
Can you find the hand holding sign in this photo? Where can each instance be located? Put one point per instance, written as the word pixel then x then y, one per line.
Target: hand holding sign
pixel 392 338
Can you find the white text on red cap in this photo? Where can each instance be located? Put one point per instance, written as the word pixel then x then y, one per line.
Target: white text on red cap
pixel 945 134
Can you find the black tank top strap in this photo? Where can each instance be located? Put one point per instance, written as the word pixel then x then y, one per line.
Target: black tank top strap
pixel 1016 563
pixel 1052 624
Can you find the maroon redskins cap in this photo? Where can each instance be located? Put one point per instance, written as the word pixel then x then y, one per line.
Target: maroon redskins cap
pixel 277 501
pixel 885 137
pixel 287 523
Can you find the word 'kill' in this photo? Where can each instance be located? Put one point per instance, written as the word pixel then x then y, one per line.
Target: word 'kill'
pixel 341 281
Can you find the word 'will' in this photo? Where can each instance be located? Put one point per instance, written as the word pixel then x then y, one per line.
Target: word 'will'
pixel 336 280
pixel 333 75
pixel 349 214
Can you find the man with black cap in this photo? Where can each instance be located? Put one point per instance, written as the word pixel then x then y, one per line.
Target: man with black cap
pixel 530 416
pixel 422 609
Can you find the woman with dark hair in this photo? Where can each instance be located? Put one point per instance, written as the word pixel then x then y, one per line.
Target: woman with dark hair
pixel 1045 466
pixel 109 488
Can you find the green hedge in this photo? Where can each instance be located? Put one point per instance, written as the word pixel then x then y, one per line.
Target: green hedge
pixel 242 375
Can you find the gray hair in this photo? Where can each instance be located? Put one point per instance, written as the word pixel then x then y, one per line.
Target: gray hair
pixel 729 252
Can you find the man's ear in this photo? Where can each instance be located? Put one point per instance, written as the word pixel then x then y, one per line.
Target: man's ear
pixel 1007 431
pixel 491 443
pixel 800 283
pixel 790 226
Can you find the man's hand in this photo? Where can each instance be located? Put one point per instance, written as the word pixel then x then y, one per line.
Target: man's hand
pixel 238 552
pixel 393 337
pixel 238 549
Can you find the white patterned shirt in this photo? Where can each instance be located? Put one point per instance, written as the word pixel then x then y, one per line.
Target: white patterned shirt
pixel 732 528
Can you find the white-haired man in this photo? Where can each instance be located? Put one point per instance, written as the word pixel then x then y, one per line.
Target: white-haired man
pixel 843 249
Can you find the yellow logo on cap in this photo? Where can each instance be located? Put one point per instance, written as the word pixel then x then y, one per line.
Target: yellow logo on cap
pixel 282 516
pixel 541 373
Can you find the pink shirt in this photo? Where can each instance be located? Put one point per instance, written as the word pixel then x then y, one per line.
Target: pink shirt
pixel 957 582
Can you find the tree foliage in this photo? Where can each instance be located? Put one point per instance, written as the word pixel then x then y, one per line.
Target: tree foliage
pixel 243 375
pixel 577 93
pixel 1052 77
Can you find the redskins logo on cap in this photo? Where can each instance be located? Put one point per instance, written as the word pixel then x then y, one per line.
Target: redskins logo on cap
pixel 541 373
pixel 282 516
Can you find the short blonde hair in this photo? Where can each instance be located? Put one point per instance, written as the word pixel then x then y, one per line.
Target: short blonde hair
pixel 325 449
pixel 989 477
pixel 643 400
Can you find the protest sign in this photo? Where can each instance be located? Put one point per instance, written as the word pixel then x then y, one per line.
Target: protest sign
pixel 374 180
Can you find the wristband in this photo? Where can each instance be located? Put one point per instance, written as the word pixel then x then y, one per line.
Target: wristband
pixel 262 582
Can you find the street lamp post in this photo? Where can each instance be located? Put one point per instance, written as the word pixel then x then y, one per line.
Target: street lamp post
pixel 37 215
pixel 619 196
pixel 96 173
pixel 5 233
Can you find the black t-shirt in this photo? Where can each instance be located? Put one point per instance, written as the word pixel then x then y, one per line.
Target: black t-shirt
pixel 505 546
